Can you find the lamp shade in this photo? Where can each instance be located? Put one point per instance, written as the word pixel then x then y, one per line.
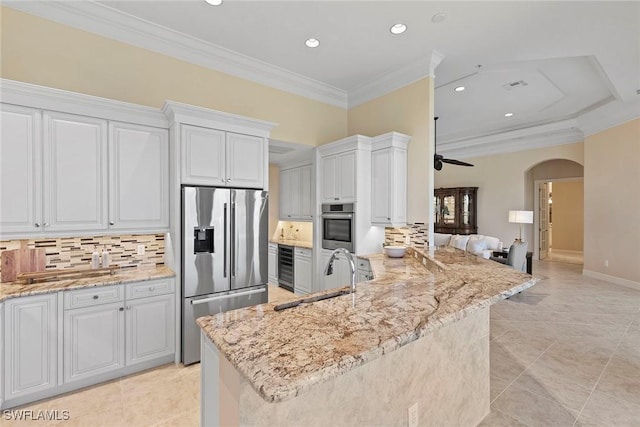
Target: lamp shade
pixel 521 217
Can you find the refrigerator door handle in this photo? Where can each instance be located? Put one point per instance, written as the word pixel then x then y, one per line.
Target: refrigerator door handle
pixel 234 244
pixel 224 270
pixel 222 297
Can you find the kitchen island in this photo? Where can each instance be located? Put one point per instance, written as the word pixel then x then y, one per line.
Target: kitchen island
pixel 418 334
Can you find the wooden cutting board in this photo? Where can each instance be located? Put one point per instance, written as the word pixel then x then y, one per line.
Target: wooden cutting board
pixel 23 260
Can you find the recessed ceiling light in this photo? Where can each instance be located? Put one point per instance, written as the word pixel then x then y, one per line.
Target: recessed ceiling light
pixel 460 88
pixel 312 42
pixel 438 17
pixel 398 29
pixel 214 2
pixel 508 114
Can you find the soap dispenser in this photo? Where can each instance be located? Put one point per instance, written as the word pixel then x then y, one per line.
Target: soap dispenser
pixel 95 258
pixel 105 257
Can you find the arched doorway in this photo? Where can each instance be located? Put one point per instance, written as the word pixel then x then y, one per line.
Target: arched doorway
pixel 554 191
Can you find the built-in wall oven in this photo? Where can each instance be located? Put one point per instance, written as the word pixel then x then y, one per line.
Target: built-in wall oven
pixel 338 226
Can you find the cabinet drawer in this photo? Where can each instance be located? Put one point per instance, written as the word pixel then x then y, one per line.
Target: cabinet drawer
pixel 93 296
pixel 149 288
pixel 303 252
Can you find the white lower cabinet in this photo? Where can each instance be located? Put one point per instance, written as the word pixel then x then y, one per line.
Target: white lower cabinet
pixel 30 345
pixel 302 271
pixel 150 328
pixel 93 341
pixel 273 263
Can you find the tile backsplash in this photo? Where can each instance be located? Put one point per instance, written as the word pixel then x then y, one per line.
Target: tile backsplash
pixel 417 233
pixel 75 252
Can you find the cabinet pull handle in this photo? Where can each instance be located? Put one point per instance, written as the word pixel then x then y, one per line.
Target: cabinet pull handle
pixel 96 297
pixel 121 309
pixel 37 224
pixel 336 198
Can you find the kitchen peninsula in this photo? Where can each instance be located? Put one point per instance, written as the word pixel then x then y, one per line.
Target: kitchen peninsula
pixel 413 340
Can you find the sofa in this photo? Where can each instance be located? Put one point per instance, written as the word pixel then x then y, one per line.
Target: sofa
pixel 476 244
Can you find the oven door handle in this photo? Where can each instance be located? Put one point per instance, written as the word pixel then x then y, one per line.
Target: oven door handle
pixel 221 297
pixel 337 216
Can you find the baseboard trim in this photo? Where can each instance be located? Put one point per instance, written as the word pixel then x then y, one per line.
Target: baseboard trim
pixel 612 279
pixel 565 252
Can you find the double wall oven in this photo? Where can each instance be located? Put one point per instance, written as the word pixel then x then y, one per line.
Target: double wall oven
pixel 338 226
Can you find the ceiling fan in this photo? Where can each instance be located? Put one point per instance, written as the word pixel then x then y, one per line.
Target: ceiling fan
pixel 438 159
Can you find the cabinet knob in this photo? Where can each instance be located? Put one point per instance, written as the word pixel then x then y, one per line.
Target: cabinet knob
pixel 46 224
pixel 121 309
pixel 336 198
pixel 222 180
pixel 128 307
pixel 388 219
pixel 228 179
pixel 96 297
pixel 111 223
pixel 151 288
pixel 37 225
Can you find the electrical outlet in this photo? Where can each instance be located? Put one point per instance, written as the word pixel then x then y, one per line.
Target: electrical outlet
pixel 140 249
pixel 606 263
pixel 413 415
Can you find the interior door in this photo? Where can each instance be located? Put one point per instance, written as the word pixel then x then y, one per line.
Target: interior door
pixel 543 218
pixel 249 238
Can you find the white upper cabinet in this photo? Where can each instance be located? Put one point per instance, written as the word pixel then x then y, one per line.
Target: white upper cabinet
pixel 218 158
pixel 245 161
pixel 138 177
pixel 296 194
pixel 389 180
pixel 20 170
pixel 339 177
pixel 75 172
pixel 203 156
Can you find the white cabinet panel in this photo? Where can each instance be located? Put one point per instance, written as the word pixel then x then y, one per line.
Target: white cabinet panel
pixel 20 170
pixel 347 176
pixel 302 271
pixel 93 341
pixel 150 328
pixel 389 182
pixel 273 263
pixel 245 161
pixel 203 156
pixel 306 193
pixel 285 192
pixel 139 177
pixel 295 194
pixel 329 168
pixel 381 164
pixel 30 345
pixel 75 172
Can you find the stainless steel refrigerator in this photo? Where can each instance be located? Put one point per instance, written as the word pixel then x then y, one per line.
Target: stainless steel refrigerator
pixel 224 256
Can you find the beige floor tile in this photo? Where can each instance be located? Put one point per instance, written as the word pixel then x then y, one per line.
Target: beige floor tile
pixel 113 416
pixel 149 381
pixel 584 374
pixel 503 364
pixel 533 410
pixel 158 405
pixel 621 387
pixel 625 364
pixel 568 394
pixel 89 400
pixel 500 419
pixel 497 386
pixel 604 410
pixel 184 419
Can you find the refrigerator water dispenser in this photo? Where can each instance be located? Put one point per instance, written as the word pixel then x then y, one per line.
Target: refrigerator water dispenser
pixel 203 240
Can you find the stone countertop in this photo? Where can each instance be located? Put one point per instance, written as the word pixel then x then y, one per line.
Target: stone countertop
pixel 21 289
pixel 296 243
pixel 284 353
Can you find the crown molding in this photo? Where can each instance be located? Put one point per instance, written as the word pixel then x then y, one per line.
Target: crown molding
pixel 547 135
pixel 389 140
pixel 353 142
pixel 177 112
pixel 108 22
pixel 46 98
pixel 608 116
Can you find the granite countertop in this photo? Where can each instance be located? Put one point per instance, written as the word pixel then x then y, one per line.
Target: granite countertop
pixel 21 289
pixel 284 353
pixel 296 243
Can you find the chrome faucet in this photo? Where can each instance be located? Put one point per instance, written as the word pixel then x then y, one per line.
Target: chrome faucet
pixel 328 270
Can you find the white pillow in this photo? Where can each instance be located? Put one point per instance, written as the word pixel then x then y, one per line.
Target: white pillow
pixel 440 239
pixel 476 245
pixel 493 243
pixel 473 237
pixel 459 242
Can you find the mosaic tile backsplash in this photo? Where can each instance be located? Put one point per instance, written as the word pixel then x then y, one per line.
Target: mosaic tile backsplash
pixel 75 252
pixel 417 233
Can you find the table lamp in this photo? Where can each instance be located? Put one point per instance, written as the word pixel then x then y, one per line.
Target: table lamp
pixel 521 217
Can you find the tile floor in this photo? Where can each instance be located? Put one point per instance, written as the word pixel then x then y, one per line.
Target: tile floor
pixel 565 353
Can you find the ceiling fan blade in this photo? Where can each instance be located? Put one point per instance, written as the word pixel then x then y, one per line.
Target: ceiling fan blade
pixel 456 162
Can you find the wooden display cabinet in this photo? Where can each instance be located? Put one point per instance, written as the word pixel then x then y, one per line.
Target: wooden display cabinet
pixel 456 210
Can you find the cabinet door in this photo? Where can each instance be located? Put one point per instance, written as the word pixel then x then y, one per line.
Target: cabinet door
pixel 203 156
pixel 294 193
pixel 306 194
pixel 273 264
pixel 20 170
pixel 381 168
pixel 139 177
pixel 302 271
pixel 285 192
pixel 329 169
pixel 150 328
pixel 30 345
pixel 347 176
pixel 245 161
pixel 75 173
pixel 93 341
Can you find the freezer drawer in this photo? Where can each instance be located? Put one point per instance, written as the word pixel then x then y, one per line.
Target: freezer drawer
pixel 213 304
